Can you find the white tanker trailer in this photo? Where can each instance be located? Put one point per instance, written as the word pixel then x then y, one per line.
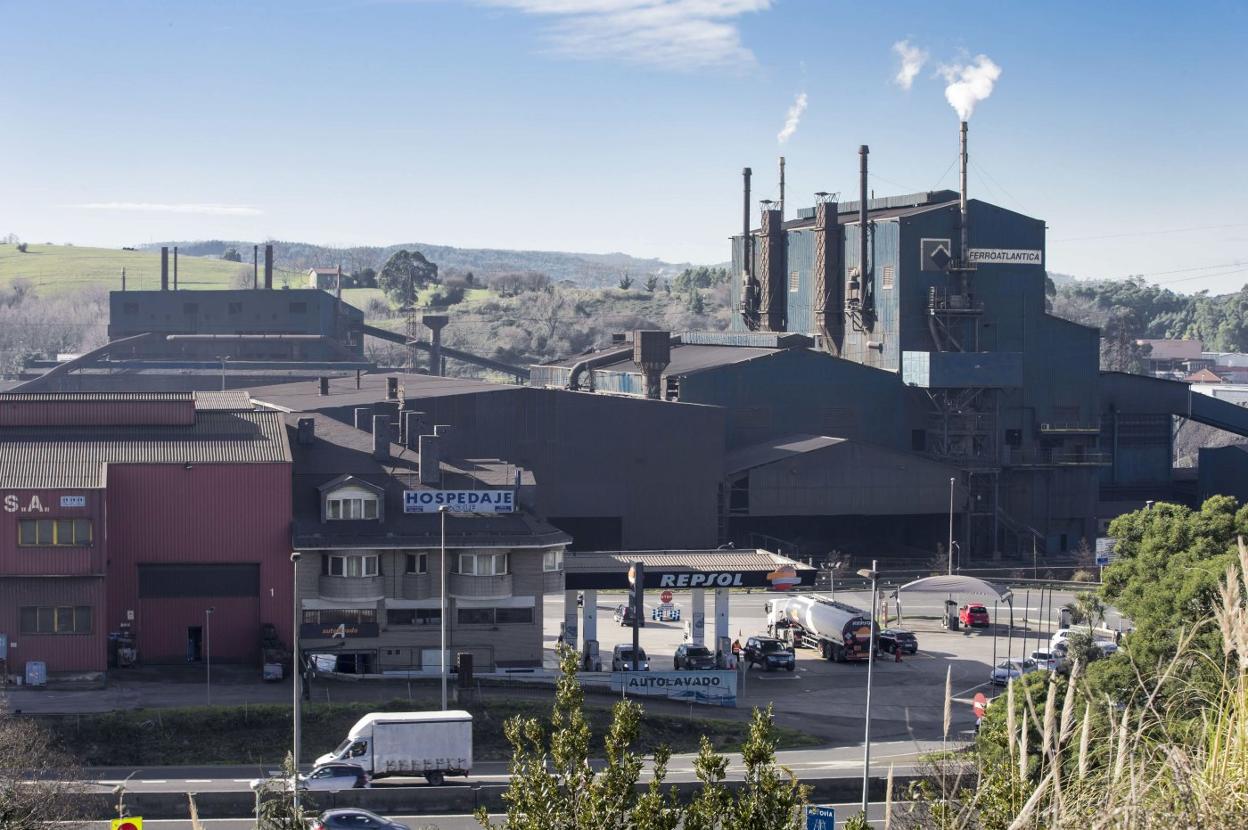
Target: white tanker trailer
pixel 840 632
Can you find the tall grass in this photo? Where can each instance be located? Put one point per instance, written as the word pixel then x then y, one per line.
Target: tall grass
pixel 1074 762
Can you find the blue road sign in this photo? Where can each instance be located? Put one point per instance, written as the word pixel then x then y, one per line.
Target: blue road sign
pixel 819 817
pixel 1102 559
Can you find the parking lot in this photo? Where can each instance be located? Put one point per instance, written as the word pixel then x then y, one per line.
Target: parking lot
pixel 907 696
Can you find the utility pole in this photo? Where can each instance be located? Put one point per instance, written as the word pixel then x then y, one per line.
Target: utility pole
pixel 296 664
pixel 442 605
pixel 873 575
pixel 208 652
pixel 951 481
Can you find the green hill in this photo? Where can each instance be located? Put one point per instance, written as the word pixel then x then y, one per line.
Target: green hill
pixel 56 268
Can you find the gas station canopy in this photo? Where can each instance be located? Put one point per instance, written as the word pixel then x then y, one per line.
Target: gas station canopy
pixel 592 570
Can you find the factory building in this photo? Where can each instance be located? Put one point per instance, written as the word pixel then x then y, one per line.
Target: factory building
pixel 158 522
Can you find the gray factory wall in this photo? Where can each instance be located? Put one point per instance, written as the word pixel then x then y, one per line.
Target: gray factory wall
pixel 884 244
pixel 1059 502
pixel 805 391
pixel 1137 430
pixel 1224 472
pixel 649 468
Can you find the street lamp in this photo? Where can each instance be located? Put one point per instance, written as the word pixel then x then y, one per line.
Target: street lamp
pixel 952 479
pixel 873 575
pixel 442 604
pixel 208 652
pixel 296 666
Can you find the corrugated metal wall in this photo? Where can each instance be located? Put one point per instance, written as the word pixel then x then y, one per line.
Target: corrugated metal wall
pixel 61 652
pixel 21 504
pixel 801 278
pixel 884 242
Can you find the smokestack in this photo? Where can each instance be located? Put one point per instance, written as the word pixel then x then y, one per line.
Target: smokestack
pixel 782 188
pixel 964 252
pixel 381 437
pixel 338 283
pixel 175 267
pixel 255 266
pixel 430 460
pixel 747 263
pixel 324 386
pixel 863 262
pixel 123 279
pixel 268 267
pixel 164 268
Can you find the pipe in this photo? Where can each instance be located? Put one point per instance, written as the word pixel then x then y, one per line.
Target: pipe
pixel 175 267
pixel 581 366
pixel 863 262
pixel 268 267
pixel 965 250
pixel 255 266
pixel 748 300
pixel 782 188
pixel 164 268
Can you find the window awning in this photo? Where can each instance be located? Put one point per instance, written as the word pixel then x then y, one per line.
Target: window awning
pixel 412 604
pixel 369 604
pixel 503 602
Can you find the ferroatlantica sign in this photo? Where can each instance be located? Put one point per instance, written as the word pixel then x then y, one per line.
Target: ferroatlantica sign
pixel 459 501
pixel 1004 256
pixel 713 688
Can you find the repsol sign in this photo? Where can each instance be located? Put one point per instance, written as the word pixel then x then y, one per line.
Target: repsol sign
pixel 781 578
pixel 700 580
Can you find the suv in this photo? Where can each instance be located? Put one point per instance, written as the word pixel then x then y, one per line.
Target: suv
pixel 892 640
pixel 974 614
pixel 689 656
pixel 769 653
pixel 622 659
pixel 624 615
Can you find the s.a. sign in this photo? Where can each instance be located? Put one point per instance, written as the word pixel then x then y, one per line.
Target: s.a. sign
pixel 459 501
pixel 713 688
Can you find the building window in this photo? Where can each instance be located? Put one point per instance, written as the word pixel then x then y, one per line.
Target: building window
pixel 552 560
pixel 54 532
pixel 887 282
pixel 495 616
pixel 351 508
pixel 359 565
pixel 61 619
pixel 482 564
pixel 795 281
pixel 417 563
pixel 413 616
pixel 341 616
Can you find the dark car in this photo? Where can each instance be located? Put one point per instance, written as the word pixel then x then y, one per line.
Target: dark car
pixel 353 818
pixel 769 653
pixel 890 640
pixel 624 615
pixel 689 656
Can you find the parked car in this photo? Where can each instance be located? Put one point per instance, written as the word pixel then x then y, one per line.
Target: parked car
pixel 323 778
pixel 974 614
pixel 353 818
pixel 623 659
pixel 624 615
pixel 1059 637
pixel 769 653
pixel 890 640
pixel 1012 669
pixel 689 656
pixel 1047 660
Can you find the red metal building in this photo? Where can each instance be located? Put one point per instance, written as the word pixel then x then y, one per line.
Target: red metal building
pixel 139 512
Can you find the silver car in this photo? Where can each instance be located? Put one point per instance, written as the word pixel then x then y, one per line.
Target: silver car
pixel 623 659
pixel 1012 669
pixel 353 818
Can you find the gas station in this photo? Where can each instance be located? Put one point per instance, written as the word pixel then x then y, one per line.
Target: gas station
pixel 696 571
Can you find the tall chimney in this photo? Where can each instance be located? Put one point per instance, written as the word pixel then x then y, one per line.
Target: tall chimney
pixel 964 252
pixel 164 268
pixel 381 437
pixel 338 283
pixel 255 266
pixel 782 188
pixel 747 263
pixel 175 267
pixel 863 256
pixel 268 267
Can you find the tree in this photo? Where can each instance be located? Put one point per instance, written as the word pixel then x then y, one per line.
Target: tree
pixel 652 283
pixel 35 791
pixel 242 278
pixel 696 304
pixel 626 282
pixel 21 247
pixel 405 274
pixel 232 255
pixel 364 278
pixel 276 803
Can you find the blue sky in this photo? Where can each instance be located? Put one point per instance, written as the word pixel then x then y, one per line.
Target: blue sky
pixel 618 125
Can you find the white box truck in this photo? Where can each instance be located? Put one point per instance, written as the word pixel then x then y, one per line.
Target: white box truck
pixel 428 744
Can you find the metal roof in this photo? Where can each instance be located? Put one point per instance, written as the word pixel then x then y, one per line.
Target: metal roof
pixel 236 400
pixel 69 456
pixel 95 397
pixel 873 216
pixel 305 395
pixel 686 359
pixel 777 449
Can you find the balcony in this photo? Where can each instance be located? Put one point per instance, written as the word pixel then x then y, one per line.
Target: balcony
pixel 419 586
pixel 480 587
pixel 351 587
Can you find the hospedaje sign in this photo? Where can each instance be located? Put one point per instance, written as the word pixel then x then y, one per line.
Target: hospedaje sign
pixel 710 688
pixel 459 501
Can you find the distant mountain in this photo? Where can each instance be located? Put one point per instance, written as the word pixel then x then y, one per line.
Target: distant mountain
pixel 582 269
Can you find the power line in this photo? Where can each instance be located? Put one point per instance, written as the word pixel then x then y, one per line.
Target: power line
pixel 1151 233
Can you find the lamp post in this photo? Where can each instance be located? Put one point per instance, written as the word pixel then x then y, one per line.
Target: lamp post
pixel 873 575
pixel 952 479
pixel 959 550
pixel 442 605
pixel 208 652
pixel 296 664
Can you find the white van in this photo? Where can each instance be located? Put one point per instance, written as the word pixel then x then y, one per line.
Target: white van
pixel 432 745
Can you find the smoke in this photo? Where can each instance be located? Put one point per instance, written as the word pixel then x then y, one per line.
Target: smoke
pixel 969 84
pixel 912 60
pixel 793 118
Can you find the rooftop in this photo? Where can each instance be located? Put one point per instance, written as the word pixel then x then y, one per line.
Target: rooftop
pixel 686 359
pixel 305 395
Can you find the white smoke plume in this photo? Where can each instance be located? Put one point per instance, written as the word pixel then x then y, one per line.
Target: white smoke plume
pixel 969 84
pixel 793 118
pixel 912 60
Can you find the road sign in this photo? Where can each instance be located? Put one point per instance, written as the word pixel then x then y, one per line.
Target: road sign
pixel 132 823
pixel 980 705
pixel 1102 559
pixel 819 817
pixel 666 597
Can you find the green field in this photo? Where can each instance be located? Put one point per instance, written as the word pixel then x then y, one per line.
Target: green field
pixel 57 268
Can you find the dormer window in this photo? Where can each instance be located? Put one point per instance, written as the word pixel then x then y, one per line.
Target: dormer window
pixel 351 507
pixel 348 498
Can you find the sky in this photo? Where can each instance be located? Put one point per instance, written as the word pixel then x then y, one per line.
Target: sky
pixel 622 125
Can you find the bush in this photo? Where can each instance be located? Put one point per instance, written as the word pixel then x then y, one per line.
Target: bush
pixel 21 247
pixel 1083 576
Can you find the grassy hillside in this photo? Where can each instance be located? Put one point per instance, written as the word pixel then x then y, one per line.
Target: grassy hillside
pixel 53 269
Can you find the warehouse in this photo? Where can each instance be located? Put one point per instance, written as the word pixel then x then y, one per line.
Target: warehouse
pixel 157 522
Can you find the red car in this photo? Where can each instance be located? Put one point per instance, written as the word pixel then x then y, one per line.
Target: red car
pixel 974 615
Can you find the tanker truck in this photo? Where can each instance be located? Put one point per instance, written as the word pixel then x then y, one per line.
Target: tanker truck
pixel 840 632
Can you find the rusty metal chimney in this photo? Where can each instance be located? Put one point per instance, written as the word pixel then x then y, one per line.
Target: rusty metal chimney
pixel 652 352
pixel 164 268
pixel 268 267
pixel 435 323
